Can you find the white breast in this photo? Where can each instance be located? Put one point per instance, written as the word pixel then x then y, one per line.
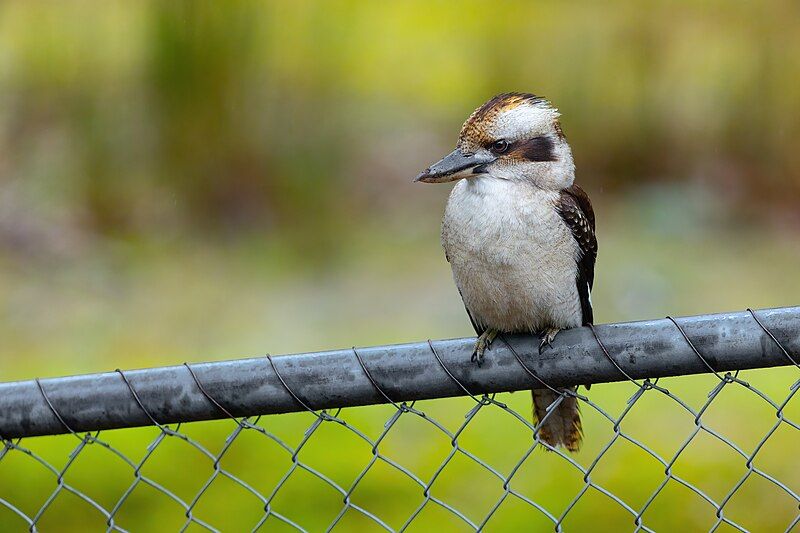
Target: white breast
pixel 513 258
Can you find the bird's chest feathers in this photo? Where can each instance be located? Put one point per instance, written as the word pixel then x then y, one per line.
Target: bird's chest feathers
pixel 504 224
pixel 513 258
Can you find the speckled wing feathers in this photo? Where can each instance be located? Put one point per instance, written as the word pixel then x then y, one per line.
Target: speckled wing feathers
pixel 576 211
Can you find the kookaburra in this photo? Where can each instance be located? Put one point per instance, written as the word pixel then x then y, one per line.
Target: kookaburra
pixel 519 236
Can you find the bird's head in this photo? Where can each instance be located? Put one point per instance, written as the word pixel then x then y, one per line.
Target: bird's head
pixel 513 136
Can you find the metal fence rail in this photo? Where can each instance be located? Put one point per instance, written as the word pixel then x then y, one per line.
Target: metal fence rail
pixel 720 345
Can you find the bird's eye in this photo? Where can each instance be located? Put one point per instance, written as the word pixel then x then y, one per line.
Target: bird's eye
pixel 500 146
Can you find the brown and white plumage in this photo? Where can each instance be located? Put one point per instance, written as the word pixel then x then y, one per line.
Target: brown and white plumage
pixel 519 235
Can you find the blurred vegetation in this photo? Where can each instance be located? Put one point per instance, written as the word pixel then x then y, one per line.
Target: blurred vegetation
pixel 136 119
pixel 192 181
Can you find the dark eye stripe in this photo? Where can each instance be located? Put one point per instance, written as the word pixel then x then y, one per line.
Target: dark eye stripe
pixel 536 149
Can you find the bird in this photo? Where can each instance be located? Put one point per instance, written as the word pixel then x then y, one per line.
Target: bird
pixel 519 235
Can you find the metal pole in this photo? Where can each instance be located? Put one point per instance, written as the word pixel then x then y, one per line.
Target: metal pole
pixel 646 349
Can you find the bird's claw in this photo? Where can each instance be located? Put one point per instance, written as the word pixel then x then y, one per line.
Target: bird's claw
pixel 548 336
pixel 484 341
pixel 480 347
pixel 477 355
pixel 542 344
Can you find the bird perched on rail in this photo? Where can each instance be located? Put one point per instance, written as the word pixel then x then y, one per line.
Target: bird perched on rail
pixel 520 236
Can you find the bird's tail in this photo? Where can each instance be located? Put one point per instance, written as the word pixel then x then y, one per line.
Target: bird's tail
pixel 562 427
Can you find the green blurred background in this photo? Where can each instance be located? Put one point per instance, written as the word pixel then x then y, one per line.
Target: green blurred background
pixel 196 181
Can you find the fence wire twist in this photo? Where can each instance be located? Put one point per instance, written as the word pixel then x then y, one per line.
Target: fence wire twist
pixel 426 485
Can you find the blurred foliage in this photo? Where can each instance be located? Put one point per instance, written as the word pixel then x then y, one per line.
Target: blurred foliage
pixel 198 180
pixel 146 118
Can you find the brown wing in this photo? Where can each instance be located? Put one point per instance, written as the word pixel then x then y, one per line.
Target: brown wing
pixel 577 213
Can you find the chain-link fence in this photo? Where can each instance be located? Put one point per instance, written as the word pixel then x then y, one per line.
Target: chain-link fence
pixel 699 431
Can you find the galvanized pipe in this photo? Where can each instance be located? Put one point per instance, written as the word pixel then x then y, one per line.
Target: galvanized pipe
pixel 342 378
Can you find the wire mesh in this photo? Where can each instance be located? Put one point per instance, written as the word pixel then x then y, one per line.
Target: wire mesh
pixel 469 463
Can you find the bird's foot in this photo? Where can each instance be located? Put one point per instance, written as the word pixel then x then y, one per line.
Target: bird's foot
pixel 547 337
pixel 484 341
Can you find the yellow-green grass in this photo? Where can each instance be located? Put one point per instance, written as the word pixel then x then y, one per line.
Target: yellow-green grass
pixel 144 303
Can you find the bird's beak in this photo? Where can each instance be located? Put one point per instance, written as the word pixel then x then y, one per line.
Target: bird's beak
pixel 454 166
